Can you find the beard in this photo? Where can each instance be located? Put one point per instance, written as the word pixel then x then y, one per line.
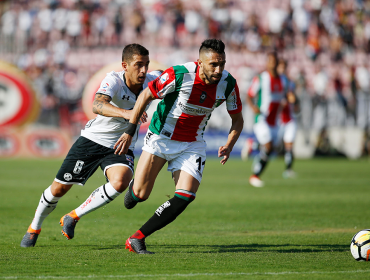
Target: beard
pixel 209 79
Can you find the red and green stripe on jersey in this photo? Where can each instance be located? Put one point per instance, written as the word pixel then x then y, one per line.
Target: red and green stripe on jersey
pixel 187 102
pixel 269 92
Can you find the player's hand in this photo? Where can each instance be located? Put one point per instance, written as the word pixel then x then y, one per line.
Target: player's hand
pixel 144 118
pixel 122 144
pixel 224 151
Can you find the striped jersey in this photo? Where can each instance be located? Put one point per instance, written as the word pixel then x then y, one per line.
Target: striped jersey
pixel 106 130
pixel 187 102
pixel 269 92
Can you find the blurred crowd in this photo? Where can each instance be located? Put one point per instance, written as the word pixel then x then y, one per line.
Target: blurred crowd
pixel 325 42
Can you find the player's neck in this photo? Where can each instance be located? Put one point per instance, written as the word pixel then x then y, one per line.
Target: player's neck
pixel 134 88
pixel 273 73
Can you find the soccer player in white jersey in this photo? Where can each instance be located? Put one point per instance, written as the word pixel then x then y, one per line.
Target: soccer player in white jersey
pixel 288 124
pixel 189 93
pixel 268 91
pixel 113 103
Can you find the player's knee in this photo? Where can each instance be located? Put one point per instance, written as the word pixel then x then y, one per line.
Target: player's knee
pixel 59 189
pixel 120 183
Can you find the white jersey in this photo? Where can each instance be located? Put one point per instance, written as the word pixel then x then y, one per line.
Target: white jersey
pixel 106 130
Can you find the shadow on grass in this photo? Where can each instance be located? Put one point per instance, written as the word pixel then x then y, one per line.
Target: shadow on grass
pixel 237 248
pixel 240 248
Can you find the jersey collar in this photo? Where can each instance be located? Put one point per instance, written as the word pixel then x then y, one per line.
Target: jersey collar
pixel 124 79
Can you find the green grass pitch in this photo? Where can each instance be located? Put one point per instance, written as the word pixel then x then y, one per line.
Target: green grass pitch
pixel 291 229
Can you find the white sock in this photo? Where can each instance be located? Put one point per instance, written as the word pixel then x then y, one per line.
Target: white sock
pixel 47 204
pixel 98 198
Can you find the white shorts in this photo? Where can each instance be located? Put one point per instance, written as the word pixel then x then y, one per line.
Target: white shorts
pixel 265 133
pixel 290 130
pixel 187 156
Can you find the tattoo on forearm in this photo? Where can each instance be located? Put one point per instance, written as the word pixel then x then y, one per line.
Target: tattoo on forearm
pixel 99 102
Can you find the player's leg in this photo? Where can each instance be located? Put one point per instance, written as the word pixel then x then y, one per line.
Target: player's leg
pixel 150 163
pixel 147 170
pixel 48 202
pixel 187 171
pixel 63 181
pixel 186 187
pixel 119 178
pixel 264 136
pixel 289 136
pixel 118 169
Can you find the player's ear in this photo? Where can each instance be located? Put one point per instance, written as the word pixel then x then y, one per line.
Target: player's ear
pixel 124 65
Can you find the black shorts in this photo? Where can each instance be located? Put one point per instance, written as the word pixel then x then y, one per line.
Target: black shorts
pixel 85 156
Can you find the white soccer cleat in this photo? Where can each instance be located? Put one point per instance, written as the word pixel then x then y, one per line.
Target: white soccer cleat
pixel 256 182
pixel 289 174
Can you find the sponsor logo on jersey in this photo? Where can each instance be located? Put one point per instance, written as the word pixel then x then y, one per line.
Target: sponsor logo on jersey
pixel 203 97
pixel 190 110
pixel 78 167
pixel 162 207
pixel 163 78
pixel 67 176
pixel 126 97
pixel 166 133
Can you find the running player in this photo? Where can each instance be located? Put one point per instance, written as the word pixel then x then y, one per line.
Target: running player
pixel 189 94
pixel 288 125
pixel 268 90
pixel 113 103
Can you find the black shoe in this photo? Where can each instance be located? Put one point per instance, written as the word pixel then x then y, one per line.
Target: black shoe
pixel 137 246
pixel 129 201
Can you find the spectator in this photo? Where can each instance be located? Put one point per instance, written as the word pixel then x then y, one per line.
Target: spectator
pixel 74 25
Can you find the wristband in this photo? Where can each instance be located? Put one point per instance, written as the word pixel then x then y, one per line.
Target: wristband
pixel 131 129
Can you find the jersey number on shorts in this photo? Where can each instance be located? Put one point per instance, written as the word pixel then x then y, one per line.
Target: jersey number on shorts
pixel 200 164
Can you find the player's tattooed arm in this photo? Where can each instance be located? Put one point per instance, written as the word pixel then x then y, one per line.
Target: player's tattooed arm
pixel 100 103
pixel 102 106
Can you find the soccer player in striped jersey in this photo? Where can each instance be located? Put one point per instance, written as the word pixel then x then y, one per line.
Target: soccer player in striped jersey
pixel 113 102
pixel 268 91
pixel 189 93
pixel 288 124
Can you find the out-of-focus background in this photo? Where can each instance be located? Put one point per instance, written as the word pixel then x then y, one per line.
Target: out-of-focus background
pixel 54 55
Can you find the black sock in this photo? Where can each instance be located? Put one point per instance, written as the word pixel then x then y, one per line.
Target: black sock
pixel 288 158
pixel 165 214
pixel 262 162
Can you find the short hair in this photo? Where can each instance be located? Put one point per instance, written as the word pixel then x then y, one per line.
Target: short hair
pixel 214 45
pixel 133 49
